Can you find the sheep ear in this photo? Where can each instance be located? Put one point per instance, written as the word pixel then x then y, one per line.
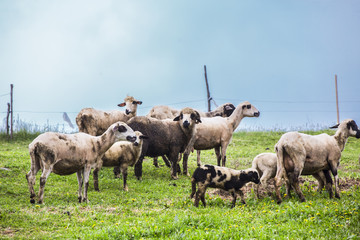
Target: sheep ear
pixel 336 126
pixel 177 118
pixel 122 104
pixel 198 120
pixel 139 102
pixel 144 137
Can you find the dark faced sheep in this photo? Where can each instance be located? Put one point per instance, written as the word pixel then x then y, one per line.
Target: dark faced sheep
pixel 221 177
pixel 166 137
pixel 304 154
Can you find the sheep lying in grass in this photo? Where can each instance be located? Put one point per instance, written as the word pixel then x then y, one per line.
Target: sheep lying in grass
pixel 304 154
pixel 95 122
pixel 65 154
pixel 121 154
pixel 165 112
pixel 166 137
pixel 221 177
pixel 217 133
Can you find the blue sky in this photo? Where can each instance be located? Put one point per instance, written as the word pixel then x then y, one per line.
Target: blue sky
pixel 281 56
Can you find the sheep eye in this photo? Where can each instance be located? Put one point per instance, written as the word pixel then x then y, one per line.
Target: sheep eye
pixel 248 106
pixel 192 116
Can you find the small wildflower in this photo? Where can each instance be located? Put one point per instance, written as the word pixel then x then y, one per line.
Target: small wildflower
pixel 318 214
pixel 101 221
pixel 206 229
pixel 37 206
pixel 94 225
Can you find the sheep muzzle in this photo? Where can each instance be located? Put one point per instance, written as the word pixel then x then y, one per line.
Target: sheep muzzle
pixel 131 139
pixel 127 111
pixel 256 114
pixel 186 124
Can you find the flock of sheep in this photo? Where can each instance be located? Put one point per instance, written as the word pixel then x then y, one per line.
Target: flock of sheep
pixel 121 139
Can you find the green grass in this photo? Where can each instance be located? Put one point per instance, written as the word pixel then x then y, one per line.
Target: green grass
pixel 159 207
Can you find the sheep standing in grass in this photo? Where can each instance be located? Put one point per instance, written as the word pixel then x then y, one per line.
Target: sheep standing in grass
pixel 121 154
pixel 166 137
pixel 221 177
pixel 217 133
pixel 266 165
pixel 65 154
pixel 304 154
pixel 95 122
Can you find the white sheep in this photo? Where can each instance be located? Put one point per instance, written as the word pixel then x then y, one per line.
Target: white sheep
pixel 95 122
pixel 65 154
pixel 266 165
pixel 304 154
pixel 121 154
pixel 217 133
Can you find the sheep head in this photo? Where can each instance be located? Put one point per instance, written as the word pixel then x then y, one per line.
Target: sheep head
pixel 139 138
pixel 131 105
pixel 249 175
pixel 188 117
pixel 348 126
pixel 123 132
pixel 249 110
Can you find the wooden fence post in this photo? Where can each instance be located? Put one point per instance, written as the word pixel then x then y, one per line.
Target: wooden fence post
pixel 208 92
pixel 11 106
pixel 7 121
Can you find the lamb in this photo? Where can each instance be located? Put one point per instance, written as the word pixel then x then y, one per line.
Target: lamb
pixel 121 154
pixel 266 165
pixel 95 122
pixel 221 177
pixel 217 133
pixel 165 112
pixel 65 154
pixel 168 138
pixel 304 154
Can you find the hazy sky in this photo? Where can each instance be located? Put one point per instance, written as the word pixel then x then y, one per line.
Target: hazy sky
pixel 281 56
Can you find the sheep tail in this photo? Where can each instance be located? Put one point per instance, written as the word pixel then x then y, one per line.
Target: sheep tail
pixel 280 173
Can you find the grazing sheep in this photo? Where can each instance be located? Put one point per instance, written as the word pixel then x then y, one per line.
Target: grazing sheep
pixel 121 154
pixel 95 122
pixel 166 137
pixel 65 154
pixel 221 177
pixel 266 165
pixel 217 133
pixel 165 112
pixel 304 154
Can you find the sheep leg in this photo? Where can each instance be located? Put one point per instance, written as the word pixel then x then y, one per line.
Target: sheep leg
pixel 155 162
pixel 185 164
pixel 124 173
pixel 174 158
pixel 45 174
pixel 193 188
pixel 87 171
pixel 329 183
pixel 116 171
pixel 96 179
pixel 264 182
pixel 333 168
pixel 294 180
pixel 218 155
pixel 198 161
pixel 320 177
pixel 233 202
pixel 80 183
pixel 31 177
pixel 166 161
pixel 138 168
pixel 202 196
pixel 223 154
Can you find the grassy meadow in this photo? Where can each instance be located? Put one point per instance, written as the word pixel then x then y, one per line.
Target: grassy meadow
pixel 158 207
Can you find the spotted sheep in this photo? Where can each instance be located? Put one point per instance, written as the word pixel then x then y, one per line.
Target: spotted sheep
pixel 299 153
pixel 95 122
pixel 121 155
pixel 65 154
pixel 230 180
pixel 169 138
pixel 217 133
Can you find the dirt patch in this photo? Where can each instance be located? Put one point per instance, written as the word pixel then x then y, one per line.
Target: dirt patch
pixel 8 232
pixel 345 184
